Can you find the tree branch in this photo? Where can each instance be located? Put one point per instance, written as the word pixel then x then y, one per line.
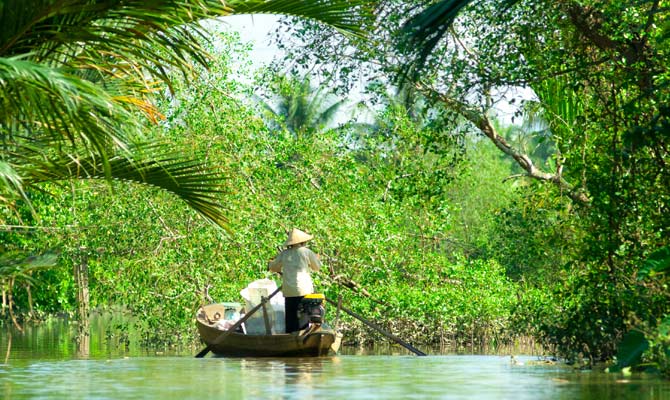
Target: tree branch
pixel 483 123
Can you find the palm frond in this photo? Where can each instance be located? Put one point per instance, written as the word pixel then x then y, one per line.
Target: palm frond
pixel 18 264
pixel 327 116
pixel 561 106
pixel 423 32
pixel 347 17
pixel 154 164
pixel 46 104
pixel 11 182
pixel 53 29
pixel 154 34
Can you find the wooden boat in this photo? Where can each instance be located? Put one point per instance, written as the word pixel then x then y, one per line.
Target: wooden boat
pixel 317 340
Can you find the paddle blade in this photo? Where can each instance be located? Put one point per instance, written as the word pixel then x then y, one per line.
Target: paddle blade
pixel 203 352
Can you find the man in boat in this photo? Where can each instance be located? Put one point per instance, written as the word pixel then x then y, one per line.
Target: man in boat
pixel 294 264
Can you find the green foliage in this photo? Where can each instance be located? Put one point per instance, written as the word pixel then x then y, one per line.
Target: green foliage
pixel 76 81
pixel 533 236
pixel 631 349
pixel 660 346
pixel 479 197
pixel 657 263
pixel 158 259
pixel 444 234
pixel 648 343
pixel 598 70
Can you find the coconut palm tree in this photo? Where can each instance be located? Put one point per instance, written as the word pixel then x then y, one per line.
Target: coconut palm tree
pixel 300 108
pixel 76 78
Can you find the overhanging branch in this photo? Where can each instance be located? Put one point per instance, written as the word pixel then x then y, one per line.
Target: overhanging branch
pixel 483 123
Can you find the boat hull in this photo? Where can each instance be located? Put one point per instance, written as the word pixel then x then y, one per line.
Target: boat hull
pixel 315 341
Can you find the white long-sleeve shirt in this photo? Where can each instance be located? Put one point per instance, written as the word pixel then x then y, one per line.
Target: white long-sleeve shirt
pixel 295 264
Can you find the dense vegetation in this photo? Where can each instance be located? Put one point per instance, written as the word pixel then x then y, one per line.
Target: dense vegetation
pixel 591 220
pixel 451 227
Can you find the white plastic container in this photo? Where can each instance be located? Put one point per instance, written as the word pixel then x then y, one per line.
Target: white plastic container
pixel 252 294
pixel 279 323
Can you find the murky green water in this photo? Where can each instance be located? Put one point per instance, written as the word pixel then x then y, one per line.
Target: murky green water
pixel 43 364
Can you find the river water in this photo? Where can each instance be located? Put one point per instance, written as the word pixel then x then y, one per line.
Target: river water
pixel 44 363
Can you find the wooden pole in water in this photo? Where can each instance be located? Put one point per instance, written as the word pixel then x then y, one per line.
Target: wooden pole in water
pixel 380 330
pixel 81 279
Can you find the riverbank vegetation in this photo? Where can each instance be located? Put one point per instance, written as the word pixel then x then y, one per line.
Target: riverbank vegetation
pixel 433 218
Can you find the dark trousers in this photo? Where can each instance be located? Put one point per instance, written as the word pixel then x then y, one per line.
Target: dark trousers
pixel 291 313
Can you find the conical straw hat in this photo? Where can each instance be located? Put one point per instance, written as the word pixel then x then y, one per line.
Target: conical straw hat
pixel 297 236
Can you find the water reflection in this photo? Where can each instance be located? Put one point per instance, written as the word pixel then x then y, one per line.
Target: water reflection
pixel 296 378
pixel 83 343
pixel 9 345
pixel 107 336
pixel 44 363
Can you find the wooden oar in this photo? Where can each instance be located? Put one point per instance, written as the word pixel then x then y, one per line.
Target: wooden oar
pixel 380 330
pixel 239 322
